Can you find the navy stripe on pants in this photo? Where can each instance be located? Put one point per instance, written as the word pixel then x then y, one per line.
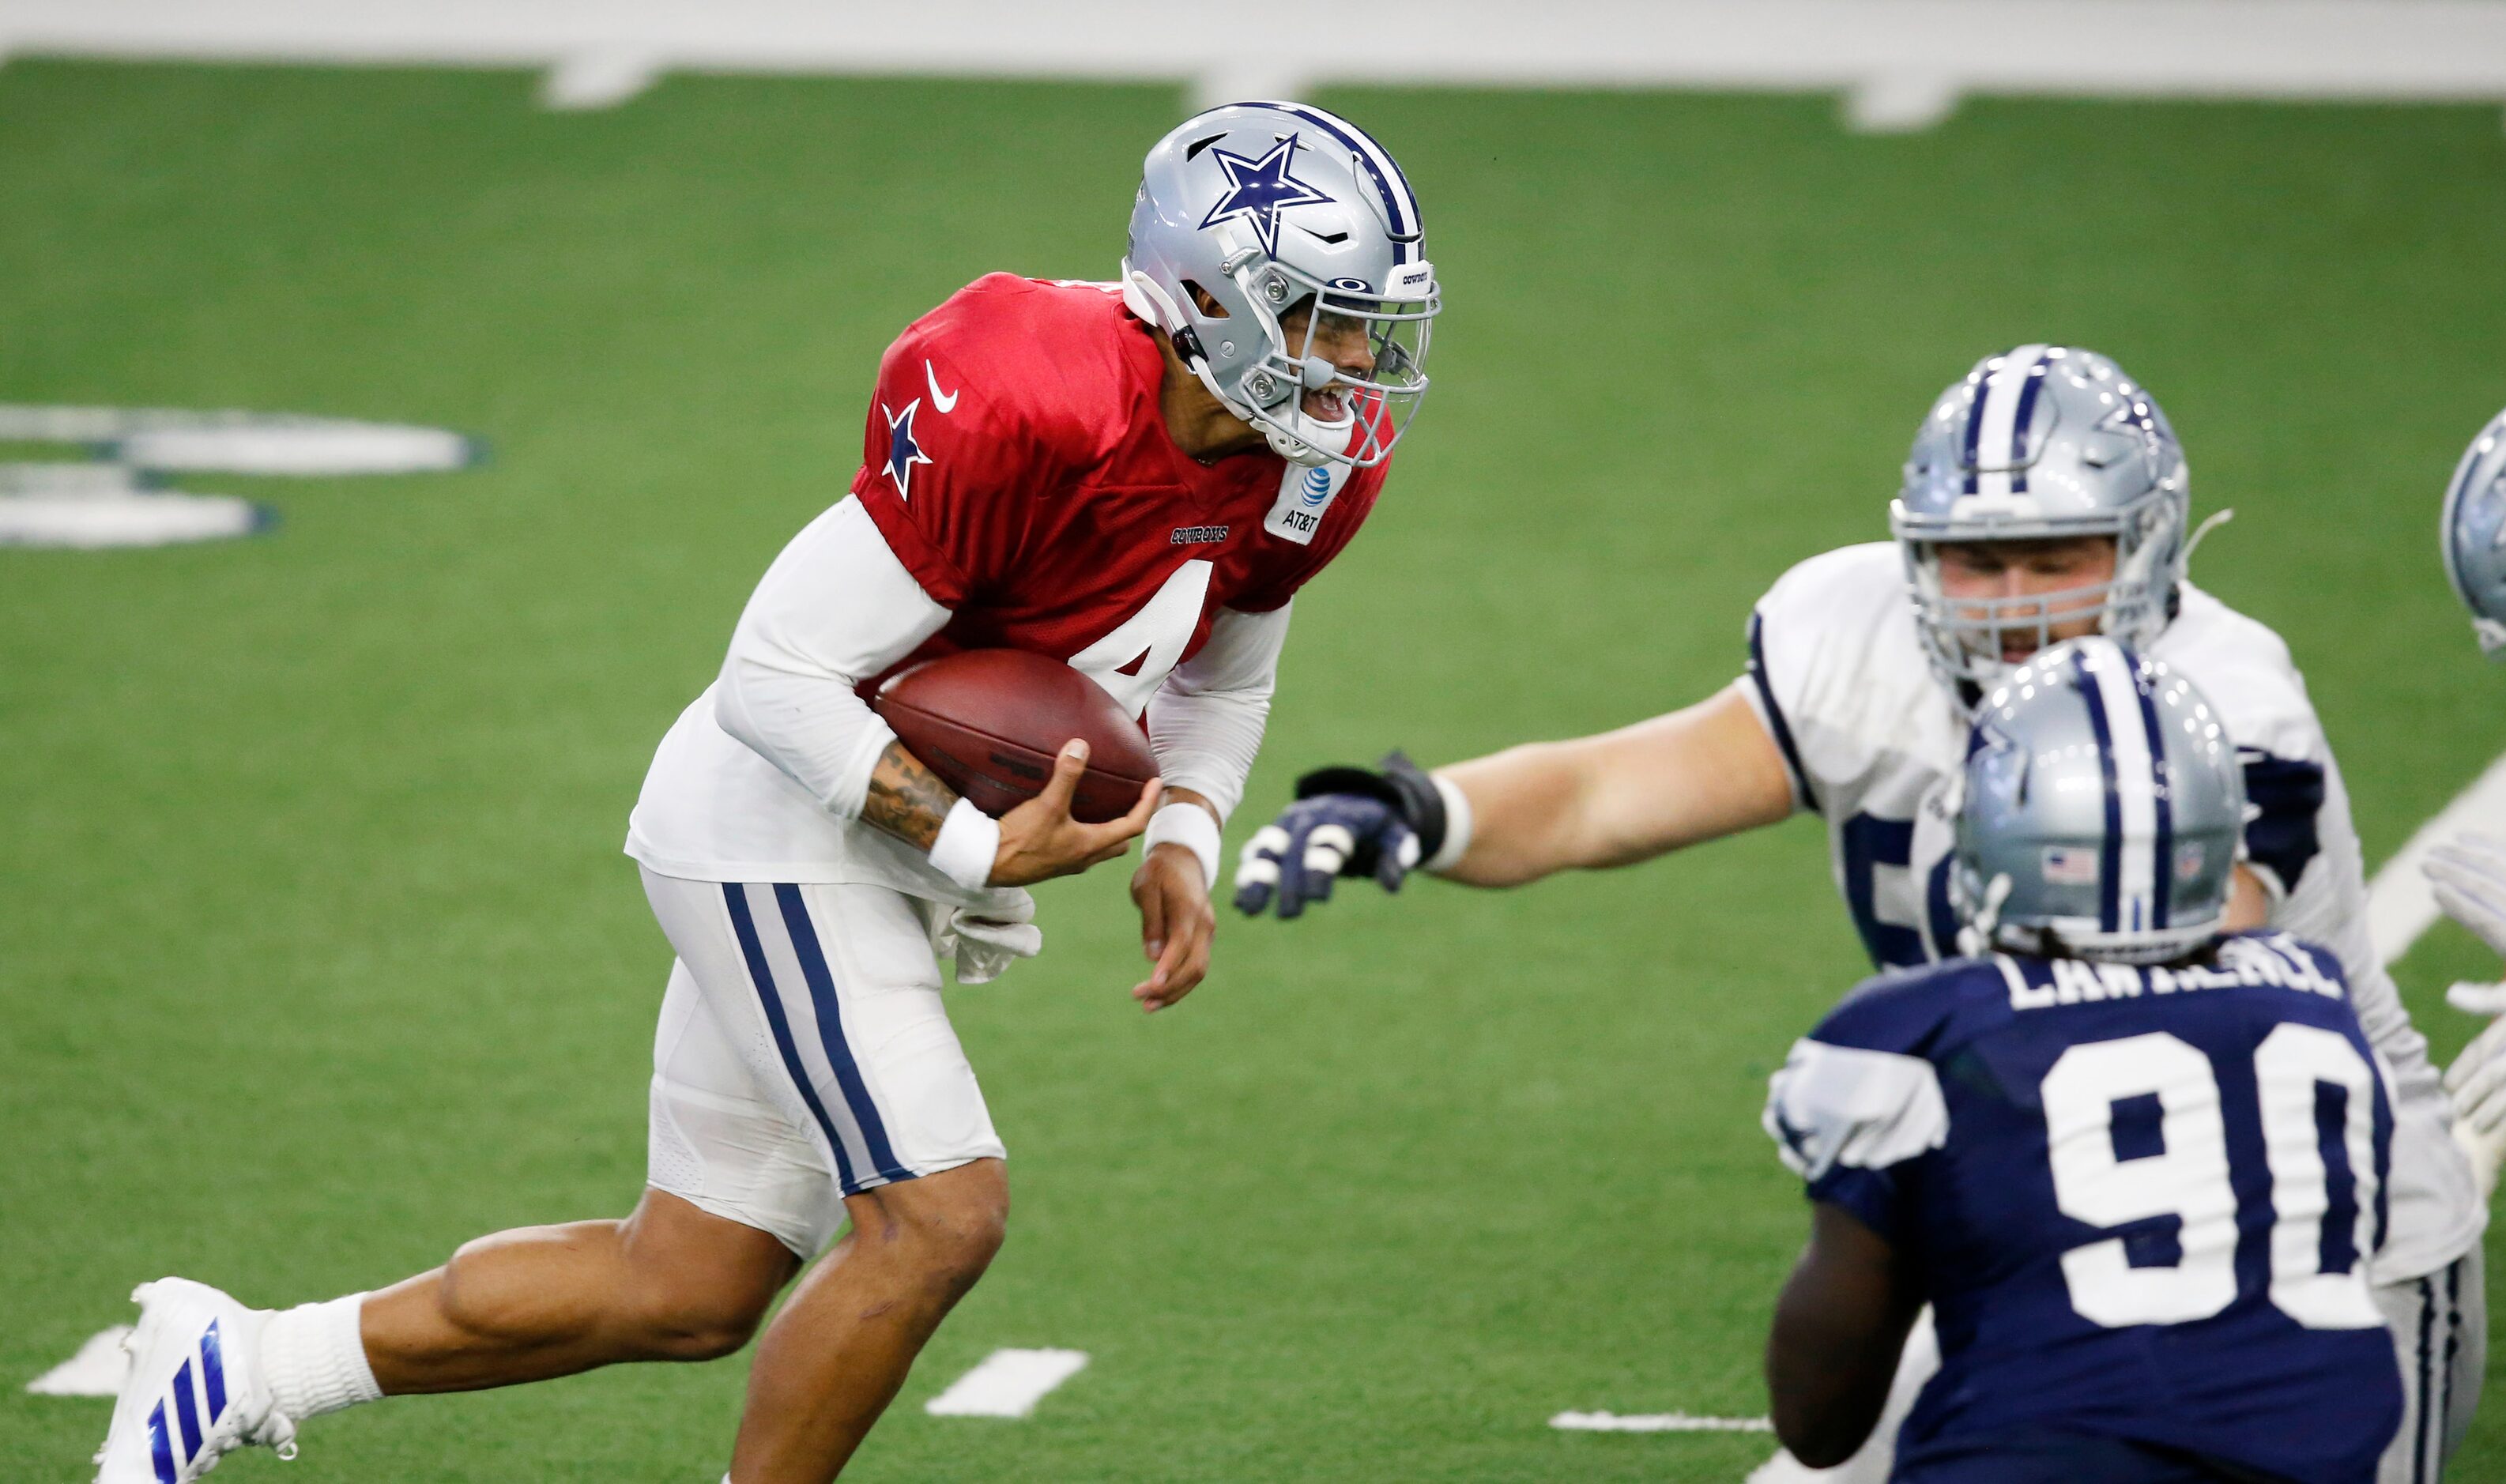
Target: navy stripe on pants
pixel 742 926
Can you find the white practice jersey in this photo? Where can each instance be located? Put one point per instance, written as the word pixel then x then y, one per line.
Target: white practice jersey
pixel 1874 742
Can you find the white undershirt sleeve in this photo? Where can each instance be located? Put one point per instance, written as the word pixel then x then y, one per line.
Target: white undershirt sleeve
pixel 835 608
pixel 1206 722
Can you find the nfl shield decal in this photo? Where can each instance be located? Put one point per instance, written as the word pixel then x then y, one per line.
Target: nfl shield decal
pixel 1304 495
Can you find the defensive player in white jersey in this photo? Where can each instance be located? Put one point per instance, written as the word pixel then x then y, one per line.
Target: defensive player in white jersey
pixel 2469 872
pixel 2044 499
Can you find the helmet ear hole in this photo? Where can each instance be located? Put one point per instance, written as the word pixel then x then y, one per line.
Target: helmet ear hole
pixel 1205 302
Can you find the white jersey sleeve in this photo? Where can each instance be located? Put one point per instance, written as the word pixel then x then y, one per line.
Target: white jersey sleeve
pixel 1853 1106
pixel 1205 721
pixel 836 609
pixel 2300 842
pixel 1837 674
pixel 762 777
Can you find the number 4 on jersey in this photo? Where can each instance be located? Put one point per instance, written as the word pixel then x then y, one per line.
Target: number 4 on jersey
pixel 1134 659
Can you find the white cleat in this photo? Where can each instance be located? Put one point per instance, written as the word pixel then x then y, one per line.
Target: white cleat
pixel 194 1391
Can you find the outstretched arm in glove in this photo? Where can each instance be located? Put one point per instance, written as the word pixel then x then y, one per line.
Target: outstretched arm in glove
pixel 1527 812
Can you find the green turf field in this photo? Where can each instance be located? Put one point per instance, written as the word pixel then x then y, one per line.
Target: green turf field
pixel 319 956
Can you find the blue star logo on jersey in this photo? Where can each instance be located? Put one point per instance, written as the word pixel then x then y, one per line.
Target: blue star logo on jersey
pixel 1258 189
pixel 903 452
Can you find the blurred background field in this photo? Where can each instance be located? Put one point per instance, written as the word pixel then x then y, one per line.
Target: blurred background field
pixel 318 956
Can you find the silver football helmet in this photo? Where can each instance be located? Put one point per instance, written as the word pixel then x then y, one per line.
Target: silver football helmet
pixel 1264 207
pixel 2102 810
pixel 2475 535
pixel 2042 442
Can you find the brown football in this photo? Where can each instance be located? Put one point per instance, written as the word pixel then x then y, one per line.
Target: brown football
pixel 991 721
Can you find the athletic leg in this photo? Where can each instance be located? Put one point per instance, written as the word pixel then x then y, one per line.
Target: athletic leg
pixel 739 1199
pixel 834 1358
pixel 669 1283
pixel 2440 1326
pixel 2466 1302
pixel 840 996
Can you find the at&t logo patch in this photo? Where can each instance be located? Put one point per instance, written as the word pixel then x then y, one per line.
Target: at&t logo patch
pixel 1304 495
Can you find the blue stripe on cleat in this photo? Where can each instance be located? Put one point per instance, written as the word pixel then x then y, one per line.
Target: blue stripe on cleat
pixel 213 1371
pixel 159 1447
pixel 186 1413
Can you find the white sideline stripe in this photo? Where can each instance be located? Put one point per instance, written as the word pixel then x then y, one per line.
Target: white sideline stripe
pixel 2400 907
pixel 1903 60
pixel 96 1370
pixel 1007 1383
pixel 1657 1422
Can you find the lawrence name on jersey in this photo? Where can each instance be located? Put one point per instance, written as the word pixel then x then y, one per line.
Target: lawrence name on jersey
pixel 2137 1169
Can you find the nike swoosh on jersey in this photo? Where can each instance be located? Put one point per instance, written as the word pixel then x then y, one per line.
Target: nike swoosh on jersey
pixel 946 401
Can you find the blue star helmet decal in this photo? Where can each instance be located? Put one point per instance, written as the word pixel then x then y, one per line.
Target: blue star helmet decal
pixel 1258 189
pixel 903 452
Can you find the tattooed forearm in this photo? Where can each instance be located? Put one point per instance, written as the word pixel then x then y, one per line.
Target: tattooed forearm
pixel 907 799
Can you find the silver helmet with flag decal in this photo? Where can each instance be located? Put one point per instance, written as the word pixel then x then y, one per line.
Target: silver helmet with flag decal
pixel 1258 213
pixel 2039 443
pixel 2101 810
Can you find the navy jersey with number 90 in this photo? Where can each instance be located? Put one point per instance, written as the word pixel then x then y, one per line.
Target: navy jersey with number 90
pixel 2141 1201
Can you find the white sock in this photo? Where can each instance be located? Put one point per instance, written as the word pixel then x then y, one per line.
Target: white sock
pixel 315 1358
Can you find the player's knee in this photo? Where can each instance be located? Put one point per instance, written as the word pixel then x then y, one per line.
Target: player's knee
pixel 946 1227
pixel 699 1330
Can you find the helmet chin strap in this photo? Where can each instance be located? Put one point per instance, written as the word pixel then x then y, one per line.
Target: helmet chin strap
pixel 1976 938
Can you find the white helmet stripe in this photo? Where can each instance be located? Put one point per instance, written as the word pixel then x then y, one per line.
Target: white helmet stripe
pixel 1996 415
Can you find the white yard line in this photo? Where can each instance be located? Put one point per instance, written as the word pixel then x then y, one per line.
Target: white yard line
pixel 1009 1383
pixel 1656 1422
pixel 1902 63
pixel 2399 904
pixel 96 1370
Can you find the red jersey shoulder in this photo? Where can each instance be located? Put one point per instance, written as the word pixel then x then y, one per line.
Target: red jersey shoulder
pixel 1046 365
pixel 1009 390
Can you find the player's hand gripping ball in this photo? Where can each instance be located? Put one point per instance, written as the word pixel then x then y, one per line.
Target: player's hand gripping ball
pixel 991 721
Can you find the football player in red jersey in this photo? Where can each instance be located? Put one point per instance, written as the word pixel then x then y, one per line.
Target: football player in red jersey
pixel 1135 478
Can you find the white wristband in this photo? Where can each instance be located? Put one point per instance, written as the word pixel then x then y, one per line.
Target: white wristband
pixel 969 841
pixel 1457 825
pixel 1188 826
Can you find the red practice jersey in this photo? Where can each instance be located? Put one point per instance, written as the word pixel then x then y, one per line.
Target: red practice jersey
pixel 1015 459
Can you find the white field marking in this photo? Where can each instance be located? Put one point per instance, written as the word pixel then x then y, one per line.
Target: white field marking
pixel 1899 103
pixel 1007 1383
pixel 596 80
pixel 2400 907
pixel 94 521
pixel 1657 1422
pixel 2424 51
pixel 285 443
pixel 96 1370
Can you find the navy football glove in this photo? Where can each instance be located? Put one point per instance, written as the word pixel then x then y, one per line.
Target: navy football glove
pixel 1345 821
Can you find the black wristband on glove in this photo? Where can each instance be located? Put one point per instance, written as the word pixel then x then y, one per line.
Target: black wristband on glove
pixel 1402 786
